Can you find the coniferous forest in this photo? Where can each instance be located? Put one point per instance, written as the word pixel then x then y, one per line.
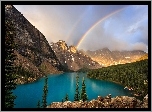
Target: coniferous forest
pixel 66 58
pixel 132 75
pixel 10 69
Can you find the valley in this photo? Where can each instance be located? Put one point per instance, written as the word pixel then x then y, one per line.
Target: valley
pixel 36 57
pixel 122 73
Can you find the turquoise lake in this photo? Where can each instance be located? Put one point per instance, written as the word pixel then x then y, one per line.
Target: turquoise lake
pixel 60 84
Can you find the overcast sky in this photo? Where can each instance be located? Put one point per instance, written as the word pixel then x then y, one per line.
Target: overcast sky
pixel 117 27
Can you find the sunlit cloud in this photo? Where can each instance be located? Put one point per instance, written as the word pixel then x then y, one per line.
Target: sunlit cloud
pixel 115 27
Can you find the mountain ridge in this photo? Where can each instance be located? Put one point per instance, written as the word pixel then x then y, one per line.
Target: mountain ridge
pixel 71 58
pixel 33 49
pixel 37 57
pixel 107 58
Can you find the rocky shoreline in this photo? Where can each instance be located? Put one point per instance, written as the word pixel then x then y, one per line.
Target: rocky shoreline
pixel 106 102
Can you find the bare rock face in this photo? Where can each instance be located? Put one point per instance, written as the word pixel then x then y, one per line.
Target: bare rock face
pixel 71 58
pixel 34 53
pixel 105 57
pixel 145 101
pixel 100 102
pixel 72 49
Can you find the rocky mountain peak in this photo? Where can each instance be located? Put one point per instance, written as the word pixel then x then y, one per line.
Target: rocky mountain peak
pixel 73 49
pixel 34 54
pixel 107 58
pixel 71 58
pixel 61 44
pixel 105 49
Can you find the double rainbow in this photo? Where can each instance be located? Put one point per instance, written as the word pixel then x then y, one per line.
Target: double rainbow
pixel 94 25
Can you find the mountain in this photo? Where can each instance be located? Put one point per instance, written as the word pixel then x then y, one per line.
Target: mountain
pixel 143 57
pixel 106 57
pixel 35 57
pixel 71 58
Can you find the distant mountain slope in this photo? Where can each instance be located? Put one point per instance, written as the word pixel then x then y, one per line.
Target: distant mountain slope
pixel 143 57
pixel 71 58
pixel 34 53
pixel 106 57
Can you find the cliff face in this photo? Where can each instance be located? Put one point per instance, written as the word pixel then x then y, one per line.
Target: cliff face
pixel 34 54
pixel 71 58
pixel 106 57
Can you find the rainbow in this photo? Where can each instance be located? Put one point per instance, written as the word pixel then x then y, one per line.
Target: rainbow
pixel 76 23
pixel 98 22
pixel 74 26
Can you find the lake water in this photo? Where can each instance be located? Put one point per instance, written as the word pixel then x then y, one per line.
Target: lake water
pixel 60 84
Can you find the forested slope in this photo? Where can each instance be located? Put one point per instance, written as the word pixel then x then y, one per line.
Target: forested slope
pixel 133 75
pixel 35 57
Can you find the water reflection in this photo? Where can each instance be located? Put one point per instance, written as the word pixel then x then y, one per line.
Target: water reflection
pixel 58 85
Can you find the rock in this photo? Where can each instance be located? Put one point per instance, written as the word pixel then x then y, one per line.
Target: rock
pixel 73 49
pixel 107 57
pixel 117 102
pixel 33 49
pixel 146 99
pixel 145 102
pixel 71 58
pixel 100 98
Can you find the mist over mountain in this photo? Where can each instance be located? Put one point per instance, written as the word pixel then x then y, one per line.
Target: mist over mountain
pixel 75 59
pixel 92 27
pixel 71 58
pixel 37 57
pixel 107 58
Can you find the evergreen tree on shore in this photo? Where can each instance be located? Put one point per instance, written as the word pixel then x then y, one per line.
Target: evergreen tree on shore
pixel 10 69
pixel 66 97
pixel 38 104
pixel 134 76
pixel 77 95
pixel 45 92
pixel 84 96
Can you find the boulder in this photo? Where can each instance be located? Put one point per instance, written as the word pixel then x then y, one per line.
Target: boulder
pixel 107 102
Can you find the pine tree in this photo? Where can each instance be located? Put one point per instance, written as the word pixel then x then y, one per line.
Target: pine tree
pixel 77 95
pixel 38 104
pixel 84 96
pixel 10 69
pixel 45 91
pixel 66 97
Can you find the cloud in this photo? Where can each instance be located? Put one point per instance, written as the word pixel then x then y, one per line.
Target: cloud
pixel 137 25
pixel 125 30
pixel 138 46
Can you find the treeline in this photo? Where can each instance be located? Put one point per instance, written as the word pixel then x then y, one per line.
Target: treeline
pixel 82 95
pixel 44 96
pixel 10 69
pixel 132 75
pixel 23 72
pixel 79 95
